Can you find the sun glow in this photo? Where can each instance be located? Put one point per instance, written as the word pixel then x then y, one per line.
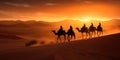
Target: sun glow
pixel 86 19
pixel 89 18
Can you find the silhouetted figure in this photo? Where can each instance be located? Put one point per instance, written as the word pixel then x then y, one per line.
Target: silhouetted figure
pixel 70 33
pixel 84 29
pixel 61 29
pixel 99 25
pixel 84 26
pixel 99 30
pixel 92 30
pixel 91 25
pixel 59 33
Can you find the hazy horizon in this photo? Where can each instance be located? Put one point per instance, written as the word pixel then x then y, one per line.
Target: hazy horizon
pixel 58 20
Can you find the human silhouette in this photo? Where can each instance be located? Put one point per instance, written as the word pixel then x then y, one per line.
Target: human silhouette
pixel 84 26
pixel 70 33
pixel 91 25
pixel 71 28
pixel 99 25
pixel 61 29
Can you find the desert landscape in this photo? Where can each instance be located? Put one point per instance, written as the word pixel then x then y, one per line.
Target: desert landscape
pixel 14 35
pixel 59 29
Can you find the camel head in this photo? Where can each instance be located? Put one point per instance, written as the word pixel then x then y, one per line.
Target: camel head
pixel 54 32
pixel 78 29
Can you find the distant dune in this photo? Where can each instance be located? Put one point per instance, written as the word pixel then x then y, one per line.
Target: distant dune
pixel 9 37
pixel 100 48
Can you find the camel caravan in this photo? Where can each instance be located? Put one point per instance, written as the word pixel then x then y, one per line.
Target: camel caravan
pixel 70 34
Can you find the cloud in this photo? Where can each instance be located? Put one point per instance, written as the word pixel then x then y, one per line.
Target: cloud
pixel 17 4
pixel 87 2
pixel 5 15
pixel 53 8
pixel 28 3
pixel 50 4
pixel 24 16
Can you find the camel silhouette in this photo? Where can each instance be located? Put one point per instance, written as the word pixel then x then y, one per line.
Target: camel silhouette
pixel 92 30
pixel 99 30
pixel 84 29
pixel 59 34
pixel 70 34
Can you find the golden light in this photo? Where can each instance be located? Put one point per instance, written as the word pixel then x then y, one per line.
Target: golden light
pixel 86 19
pixel 89 18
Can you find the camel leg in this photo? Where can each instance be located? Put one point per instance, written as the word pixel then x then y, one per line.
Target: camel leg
pixel 68 37
pixel 94 33
pixel 57 39
pixel 90 35
pixel 98 33
pixel 86 35
pixel 71 36
pixel 60 40
pixel 82 36
pixel 74 36
pixel 102 32
pixel 64 38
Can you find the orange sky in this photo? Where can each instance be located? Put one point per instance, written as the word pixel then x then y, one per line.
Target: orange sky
pixel 56 10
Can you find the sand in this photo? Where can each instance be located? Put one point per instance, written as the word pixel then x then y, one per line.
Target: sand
pixel 99 48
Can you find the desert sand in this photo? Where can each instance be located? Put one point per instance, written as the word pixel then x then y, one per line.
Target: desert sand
pixel 14 35
pixel 99 48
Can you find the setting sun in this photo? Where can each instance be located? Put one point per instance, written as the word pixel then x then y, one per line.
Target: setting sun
pixel 89 18
pixel 86 19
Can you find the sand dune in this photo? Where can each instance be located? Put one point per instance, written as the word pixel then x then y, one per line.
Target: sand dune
pixel 10 37
pixel 100 48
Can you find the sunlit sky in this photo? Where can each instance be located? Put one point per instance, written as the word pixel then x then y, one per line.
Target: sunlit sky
pixel 56 10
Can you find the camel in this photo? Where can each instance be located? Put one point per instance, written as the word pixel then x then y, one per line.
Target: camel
pixel 92 30
pixel 63 33
pixel 59 34
pixel 70 34
pixel 99 30
pixel 83 30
